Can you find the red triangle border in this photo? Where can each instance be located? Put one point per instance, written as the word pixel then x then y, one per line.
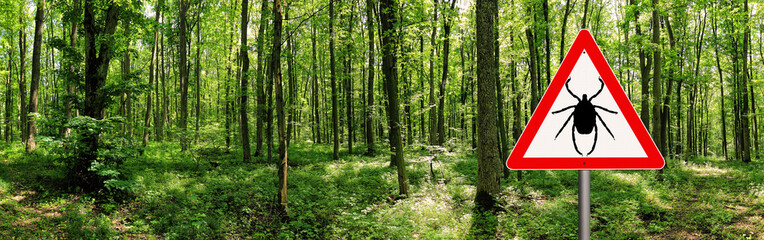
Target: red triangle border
pixel 585 42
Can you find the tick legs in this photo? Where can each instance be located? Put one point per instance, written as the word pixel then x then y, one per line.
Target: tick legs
pixel 606 110
pixel 594 144
pixel 602 85
pixel 603 124
pixel 563 126
pixel 571 92
pixel 562 110
pixel 573 133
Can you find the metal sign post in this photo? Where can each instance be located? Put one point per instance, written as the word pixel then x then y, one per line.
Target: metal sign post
pixel 586 91
pixel 584 210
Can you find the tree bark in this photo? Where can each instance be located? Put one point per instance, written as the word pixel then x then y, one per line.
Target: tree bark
pixel 34 85
pixel 198 70
pixel 744 121
pixel 721 93
pixel 533 66
pixel 244 83
pixel 316 103
pixel 389 10
pixel 9 100
pixel 370 81
pixel 657 84
pixel 259 91
pixel 152 76
pixel 183 71
pixel 586 11
pixel 276 71
pixel 332 63
pixel 441 132
pixel 23 117
pixel 349 81
pixel 72 68
pixel 433 113
pixel 488 174
pixel 644 69
pixel 568 10
pixel 97 58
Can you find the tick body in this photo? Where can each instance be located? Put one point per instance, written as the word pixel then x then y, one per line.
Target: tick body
pixel 584 117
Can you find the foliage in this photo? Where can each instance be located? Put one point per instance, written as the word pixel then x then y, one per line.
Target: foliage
pixel 104 169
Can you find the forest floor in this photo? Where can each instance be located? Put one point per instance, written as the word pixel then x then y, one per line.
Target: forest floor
pixel 355 197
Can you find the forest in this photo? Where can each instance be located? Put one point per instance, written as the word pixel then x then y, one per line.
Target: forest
pixel 365 119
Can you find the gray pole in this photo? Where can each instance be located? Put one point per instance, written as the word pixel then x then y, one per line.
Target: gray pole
pixel 583 205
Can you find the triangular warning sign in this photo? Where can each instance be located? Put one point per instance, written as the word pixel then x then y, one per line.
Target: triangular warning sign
pixel 584 120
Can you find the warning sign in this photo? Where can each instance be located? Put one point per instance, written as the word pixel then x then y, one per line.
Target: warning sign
pixel 585 120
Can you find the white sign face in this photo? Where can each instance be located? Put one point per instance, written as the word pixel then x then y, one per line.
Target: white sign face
pixel 555 138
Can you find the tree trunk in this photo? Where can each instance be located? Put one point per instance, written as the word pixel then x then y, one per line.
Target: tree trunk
pixel 183 71
pixel 244 83
pixel 586 11
pixel 503 150
pixel 644 69
pixel 98 54
pixel 744 121
pixel 165 99
pixel 546 45
pixel 444 80
pixel 152 76
pixel 388 12
pixel 532 64
pixel 198 70
pixel 568 10
pixel 316 103
pixel 276 71
pixel 433 113
pixel 488 184
pixel 370 82
pixel 332 63
pixel 23 81
pixel 290 109
pixel 657 84
pixel 34 85
pixel 349 82
pixel 259 91
pixel 721 93
pixel 72 68
pixel 9 100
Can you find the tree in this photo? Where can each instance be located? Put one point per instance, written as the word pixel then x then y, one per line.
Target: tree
pixel 183 72
pixel 243 83
pixel 657 84
pixel 488 173
pixel 260 92
pixel 98 43
pixel 197 72
pixel 276 71
pixel 316 103
pixel 721 93
pixel 35 83
pixel 335 117
pixel 644 68
pixel 23 110
pixel 370 82
pixel 9 100
pixel 349 80
pixel 744 107
pixel 433 113
pixel 388 19
pixel 444 80
pixel 566 13
pixel 152 75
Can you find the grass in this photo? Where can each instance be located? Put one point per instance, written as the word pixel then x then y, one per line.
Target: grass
pixel 182 196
